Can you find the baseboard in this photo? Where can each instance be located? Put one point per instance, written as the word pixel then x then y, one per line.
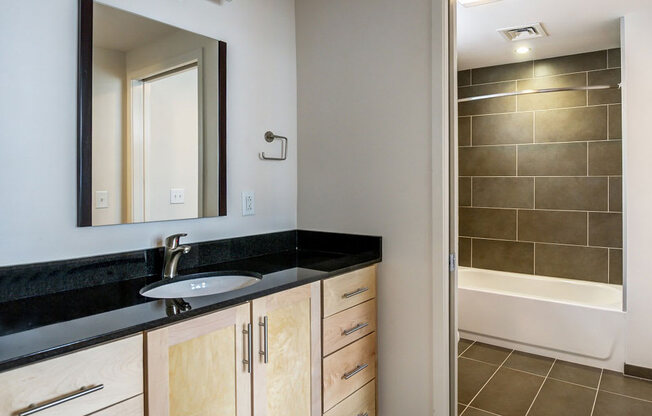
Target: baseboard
pixel 636 371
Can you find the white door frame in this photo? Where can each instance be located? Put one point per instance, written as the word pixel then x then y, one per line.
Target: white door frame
pixel 444 183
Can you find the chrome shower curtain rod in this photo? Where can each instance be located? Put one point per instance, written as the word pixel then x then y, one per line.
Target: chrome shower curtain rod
pixel 539 91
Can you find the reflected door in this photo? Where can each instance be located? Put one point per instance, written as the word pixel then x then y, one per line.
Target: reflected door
pixel 171 146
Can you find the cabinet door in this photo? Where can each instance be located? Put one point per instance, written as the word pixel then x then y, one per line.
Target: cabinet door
pixel 287 369
pixel 198 368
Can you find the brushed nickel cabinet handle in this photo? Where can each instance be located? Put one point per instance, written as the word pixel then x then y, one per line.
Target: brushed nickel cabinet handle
pixel 250 340
pixel 264 352
pixel 355 371
pixel 82 392
pixel 355 292
pixel 363 414
pixel 355 328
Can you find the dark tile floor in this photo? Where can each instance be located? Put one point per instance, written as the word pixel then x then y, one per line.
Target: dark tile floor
pixel 502 382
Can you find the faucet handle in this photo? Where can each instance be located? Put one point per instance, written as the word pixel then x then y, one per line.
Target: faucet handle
pixel 173 240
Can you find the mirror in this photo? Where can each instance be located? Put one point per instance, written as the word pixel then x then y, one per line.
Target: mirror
pixel 152 120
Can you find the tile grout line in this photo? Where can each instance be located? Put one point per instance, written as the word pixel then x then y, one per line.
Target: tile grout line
pixel 542 144
pixel 517 239
pixel 586 96
pixel 608 119
pixel 606 68
pixel 471 252
pixel 471 129
pixel 520 371
pixel 629 397
pixel 540 387
pixel 459 354
pixel 485 411
pixel 538 242
pixel 535 109
pixel 597 391
pixel 539 176
pixel 574 384
pixel 624 395
pixel 588 226
pixel 490 378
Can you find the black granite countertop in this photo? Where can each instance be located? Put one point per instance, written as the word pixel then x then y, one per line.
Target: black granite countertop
pixel 56 322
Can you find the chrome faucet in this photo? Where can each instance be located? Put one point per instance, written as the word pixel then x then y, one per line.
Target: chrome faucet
pixel 173 252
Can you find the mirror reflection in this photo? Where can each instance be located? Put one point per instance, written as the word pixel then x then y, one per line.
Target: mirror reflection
pixel 155 120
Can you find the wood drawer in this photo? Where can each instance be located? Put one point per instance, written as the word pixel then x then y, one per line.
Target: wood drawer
pixel 132 407
pixel 341 329
pixel 118 366
pixel 362 402
pixel 339 377
pixel 348 290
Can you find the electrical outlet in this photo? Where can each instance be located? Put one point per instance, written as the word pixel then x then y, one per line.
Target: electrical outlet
pixel 101 199
pixel 248 203
pixel 177 196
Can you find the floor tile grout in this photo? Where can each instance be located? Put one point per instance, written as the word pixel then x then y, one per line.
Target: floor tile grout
pixel 459 354
pixel 502 364
pixel 634 377
pixel 597 391
pixel 574 384
pixel 528 372
pixel 624 395
pixel 482 410
pixel 492 376
pixel 480 361
pixel 523 371
pixel 540 387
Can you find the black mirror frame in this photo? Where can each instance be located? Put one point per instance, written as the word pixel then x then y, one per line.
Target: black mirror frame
pixel 85 114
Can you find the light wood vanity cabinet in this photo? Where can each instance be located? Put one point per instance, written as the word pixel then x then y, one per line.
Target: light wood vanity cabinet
pixel 287 373
pixel 268 357
pixel 196 367
pixel 105 380
pixel 202 366
pixel 349 344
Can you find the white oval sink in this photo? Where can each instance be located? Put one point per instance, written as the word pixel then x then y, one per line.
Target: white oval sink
pixel 200 284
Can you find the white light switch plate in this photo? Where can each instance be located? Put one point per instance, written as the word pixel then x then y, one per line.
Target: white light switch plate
pixel 177 196
pixel 248 203
pixel 101 199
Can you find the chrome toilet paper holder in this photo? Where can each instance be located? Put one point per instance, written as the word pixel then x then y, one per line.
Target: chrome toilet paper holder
pixel 269 138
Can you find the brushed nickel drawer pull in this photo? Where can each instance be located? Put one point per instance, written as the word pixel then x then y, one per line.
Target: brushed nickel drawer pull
pixel 355 328
pixel 250 341
pixel 363 414
pixel 265 352
pixel 355 371
pixel 355 292
pixel 82 392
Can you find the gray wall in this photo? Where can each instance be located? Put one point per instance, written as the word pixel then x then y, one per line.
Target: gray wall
pixel 541 175
pixel 364 95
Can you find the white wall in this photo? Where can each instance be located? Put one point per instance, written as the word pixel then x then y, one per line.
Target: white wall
pixel 109 128
pixel 637 150
pixel 38 40
pixel 365 165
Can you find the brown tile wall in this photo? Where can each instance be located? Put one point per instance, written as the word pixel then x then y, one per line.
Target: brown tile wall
pixel 541 175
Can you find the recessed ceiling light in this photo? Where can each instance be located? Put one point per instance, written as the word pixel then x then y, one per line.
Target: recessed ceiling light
pixel 471 3
pixel 523 50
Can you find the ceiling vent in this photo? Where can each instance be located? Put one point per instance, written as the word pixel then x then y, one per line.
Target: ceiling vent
pixel 518 33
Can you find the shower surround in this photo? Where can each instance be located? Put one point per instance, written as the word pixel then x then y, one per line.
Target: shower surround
pixel 540 187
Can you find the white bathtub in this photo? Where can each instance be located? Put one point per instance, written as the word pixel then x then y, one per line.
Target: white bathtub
pixel 566 319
